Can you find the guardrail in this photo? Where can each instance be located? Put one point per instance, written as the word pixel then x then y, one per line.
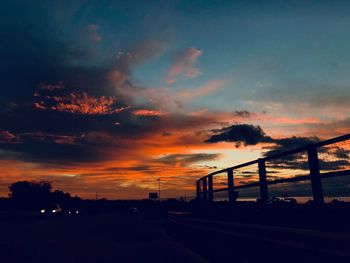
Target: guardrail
pixel 309 168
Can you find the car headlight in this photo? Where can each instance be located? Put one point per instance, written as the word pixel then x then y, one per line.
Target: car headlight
pixel 54 211
pixel 42 211
pixel 77 212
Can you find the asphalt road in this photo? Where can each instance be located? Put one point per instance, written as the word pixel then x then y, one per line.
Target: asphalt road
pixel 90 238
pixel 220 241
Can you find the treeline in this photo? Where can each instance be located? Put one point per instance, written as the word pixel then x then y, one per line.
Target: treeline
pixel 32 195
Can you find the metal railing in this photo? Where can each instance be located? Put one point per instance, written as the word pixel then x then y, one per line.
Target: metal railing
pixel 310 168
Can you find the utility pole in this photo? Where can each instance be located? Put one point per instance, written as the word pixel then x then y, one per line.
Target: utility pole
pixel 158 188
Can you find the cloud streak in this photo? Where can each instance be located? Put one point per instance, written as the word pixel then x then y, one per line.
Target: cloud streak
pixel 149 113
pixel 184 65
pixel 187 159
pixel 186 95
pixel 93 34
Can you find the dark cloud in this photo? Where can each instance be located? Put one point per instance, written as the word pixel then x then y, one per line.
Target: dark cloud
pixel 245 134
pixel 50 152
pixel 66 150
pixel 285 144
pixel 35 49
pixel 166 133
pixel 242 114
pixel 63 101
pixel 40 135
pixel 56 94
pixel 333 158
pixel 187 159
pixel 31 50
pixel 210 167
pixel 341 153
pixel 336 158
pixel 248 134
pixel 251 135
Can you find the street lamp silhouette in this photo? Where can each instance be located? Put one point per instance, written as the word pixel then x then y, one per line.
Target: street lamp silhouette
pixel 158 188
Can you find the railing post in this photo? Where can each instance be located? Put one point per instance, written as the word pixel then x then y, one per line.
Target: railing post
pixel 210 188
pixel 231 186
pixel 316 183
pixel 198 189
pixel 205 189
pixel 264 195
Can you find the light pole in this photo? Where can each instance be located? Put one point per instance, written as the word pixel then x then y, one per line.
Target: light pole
pixel 158 188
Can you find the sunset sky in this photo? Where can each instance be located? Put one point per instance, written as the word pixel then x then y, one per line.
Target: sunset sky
pixel 109 96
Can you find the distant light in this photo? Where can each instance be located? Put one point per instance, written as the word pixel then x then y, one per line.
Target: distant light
pixel 42 211
pixel 54 211
pixel 77 212
pixel 69 212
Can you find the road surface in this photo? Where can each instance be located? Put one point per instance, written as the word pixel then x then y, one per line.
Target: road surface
pixel 91 238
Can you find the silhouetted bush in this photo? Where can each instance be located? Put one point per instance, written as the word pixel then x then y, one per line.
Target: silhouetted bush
pixel 37 195
pixel 28 195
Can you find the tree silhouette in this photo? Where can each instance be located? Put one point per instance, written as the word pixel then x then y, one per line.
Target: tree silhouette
pixel 60 197
pixel 38 195
pixel 27 194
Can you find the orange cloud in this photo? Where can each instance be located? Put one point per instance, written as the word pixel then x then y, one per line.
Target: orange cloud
pixel 83 103
pixel 131 165
pixel 40 105
pixel 128 160
pixel 144 112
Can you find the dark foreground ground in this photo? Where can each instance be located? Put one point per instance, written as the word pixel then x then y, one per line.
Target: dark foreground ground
pixel 118 237
pixel 184 237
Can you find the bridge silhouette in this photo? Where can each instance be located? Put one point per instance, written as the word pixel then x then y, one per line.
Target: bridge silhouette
pixel 272 224
pixel 312 172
